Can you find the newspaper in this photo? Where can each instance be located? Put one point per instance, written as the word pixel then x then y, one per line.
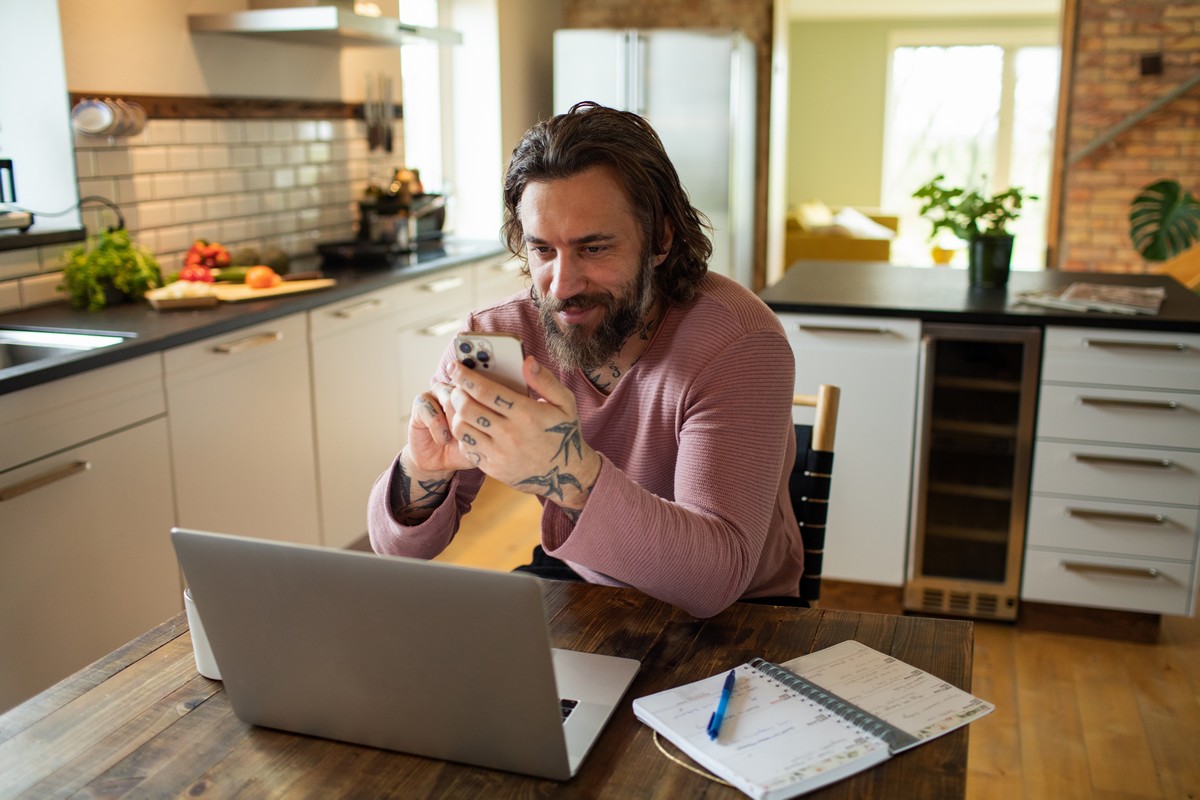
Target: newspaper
pixel 1100 297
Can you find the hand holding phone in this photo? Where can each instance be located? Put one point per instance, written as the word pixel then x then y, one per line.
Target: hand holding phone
pixel 496 355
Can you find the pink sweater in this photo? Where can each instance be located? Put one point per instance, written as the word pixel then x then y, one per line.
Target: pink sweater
pixel 691 505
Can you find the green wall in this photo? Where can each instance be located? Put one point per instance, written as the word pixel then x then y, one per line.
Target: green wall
pixel 837 91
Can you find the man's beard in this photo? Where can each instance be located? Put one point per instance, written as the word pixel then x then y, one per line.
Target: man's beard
pixel 574 348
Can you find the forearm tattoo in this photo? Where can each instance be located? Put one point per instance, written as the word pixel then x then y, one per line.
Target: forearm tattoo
pixel 429 496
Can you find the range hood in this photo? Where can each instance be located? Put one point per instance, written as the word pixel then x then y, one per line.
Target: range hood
pixel 332 26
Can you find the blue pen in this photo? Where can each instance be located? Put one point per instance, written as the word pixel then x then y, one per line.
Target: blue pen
pixel 718 716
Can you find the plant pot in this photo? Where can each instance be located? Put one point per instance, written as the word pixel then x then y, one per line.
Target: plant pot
pixel 988 260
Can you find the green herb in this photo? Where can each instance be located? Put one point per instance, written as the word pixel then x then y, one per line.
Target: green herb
pixel 108 268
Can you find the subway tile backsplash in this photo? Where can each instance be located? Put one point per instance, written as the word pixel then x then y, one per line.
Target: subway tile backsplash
pixel 282 183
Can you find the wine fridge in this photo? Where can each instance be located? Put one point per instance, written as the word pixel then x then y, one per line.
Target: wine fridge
pixel 975 419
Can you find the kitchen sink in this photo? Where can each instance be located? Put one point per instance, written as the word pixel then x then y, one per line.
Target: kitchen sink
pixel 25 346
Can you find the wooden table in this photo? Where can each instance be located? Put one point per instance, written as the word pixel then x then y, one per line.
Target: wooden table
pixel 142 722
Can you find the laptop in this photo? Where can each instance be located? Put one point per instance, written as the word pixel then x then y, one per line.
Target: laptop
pixel 420 657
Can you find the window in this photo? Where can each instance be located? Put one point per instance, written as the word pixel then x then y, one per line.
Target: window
pixel 979 108
pixel 420 70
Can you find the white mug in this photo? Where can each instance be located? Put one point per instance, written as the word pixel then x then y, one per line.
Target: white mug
pixel 206 665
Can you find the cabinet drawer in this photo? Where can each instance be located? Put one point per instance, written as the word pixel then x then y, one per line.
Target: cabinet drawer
pixel 244 347
pixel 45 419
pixel 1122 358
pixel 1127 416
pixel 828 333
pixel 496 279
pixel 433 294
pixel 1115 528
pixel 355 312
pixel 1117 473
pixel 1156 587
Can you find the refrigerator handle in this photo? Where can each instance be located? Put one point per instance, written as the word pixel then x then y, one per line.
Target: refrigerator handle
pixel 635 58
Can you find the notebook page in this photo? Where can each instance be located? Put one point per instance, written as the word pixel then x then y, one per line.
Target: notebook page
pixel 909 698
pixel 771 738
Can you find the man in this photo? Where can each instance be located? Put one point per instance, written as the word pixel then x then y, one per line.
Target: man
pixel 658 432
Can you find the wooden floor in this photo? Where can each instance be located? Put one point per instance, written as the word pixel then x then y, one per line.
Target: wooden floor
pixel 1076 716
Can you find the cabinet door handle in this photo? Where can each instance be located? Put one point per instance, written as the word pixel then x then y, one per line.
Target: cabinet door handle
pixel 1116 516
pixel 1175 347
pixel 1146 573
pixel 1160 405
pixel 257 340
pixel 47 477
pixel 1123 461
pixel 508 267
pixel 443 285
pixel 358 308
pixel 856 329
pixel 442 328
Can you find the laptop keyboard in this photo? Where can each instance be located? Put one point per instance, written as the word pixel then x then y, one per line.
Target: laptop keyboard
pixel 567 707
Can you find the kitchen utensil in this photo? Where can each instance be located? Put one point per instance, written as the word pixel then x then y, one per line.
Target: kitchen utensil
pixel 240 292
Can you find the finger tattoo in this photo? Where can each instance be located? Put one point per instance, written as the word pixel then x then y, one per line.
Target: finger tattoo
pixel 483 422
pixel 469 439
pixel 502 403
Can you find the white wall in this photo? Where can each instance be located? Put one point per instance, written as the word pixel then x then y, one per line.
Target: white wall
pixel 35 129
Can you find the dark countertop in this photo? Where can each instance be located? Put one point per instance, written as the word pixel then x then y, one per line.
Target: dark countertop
pixel 941 294
pixel 152 331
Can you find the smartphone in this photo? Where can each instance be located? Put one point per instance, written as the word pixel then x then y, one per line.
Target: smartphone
pixel 497 355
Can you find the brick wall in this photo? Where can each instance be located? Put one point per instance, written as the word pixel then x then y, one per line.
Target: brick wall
pixel 754 18
pixel 1107 87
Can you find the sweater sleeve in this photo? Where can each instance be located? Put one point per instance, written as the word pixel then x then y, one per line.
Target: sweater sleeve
pixel 427 540
pixel 700 549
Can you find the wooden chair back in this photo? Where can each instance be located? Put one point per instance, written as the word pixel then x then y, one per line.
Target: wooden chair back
pixel 810 483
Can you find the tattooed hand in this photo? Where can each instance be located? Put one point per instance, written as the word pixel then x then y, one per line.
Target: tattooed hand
pixel 534 445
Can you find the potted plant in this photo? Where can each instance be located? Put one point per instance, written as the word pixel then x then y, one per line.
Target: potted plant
pixel 108 269
pixel 1164 220
pixel 978 220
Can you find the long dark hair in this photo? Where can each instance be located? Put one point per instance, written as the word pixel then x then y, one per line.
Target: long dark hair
pixel 590 135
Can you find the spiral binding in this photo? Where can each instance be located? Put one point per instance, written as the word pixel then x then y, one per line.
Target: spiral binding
pixel 895 738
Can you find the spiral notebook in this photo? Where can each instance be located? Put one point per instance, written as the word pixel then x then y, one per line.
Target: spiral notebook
pixel 795 727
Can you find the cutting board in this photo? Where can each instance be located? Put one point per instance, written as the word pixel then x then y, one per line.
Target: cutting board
pixel 240 292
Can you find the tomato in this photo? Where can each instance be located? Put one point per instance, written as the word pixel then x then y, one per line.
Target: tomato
pixel 262 278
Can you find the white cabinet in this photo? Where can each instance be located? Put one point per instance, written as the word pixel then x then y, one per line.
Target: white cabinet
pixel 371 356
pixel 875 362
pixel 85 509
pixel 1116 477
pixel 357 402
pixel 437 309
pixel 241 421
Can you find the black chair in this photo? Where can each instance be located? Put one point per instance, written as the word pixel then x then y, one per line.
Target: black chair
pixel 809 485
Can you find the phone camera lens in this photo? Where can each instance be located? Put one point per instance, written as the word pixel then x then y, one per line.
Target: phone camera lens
pixel 484 356
pixel 464 347
pixel 469 363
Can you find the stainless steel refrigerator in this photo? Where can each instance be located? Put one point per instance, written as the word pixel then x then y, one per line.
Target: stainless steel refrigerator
pixel 697 88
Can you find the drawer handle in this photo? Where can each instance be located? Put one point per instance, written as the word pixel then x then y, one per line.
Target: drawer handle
pixel 358 308
pixel 47 477
pixel 1146 573
pixel 853 329
pixel 443 285
pixel 248 343
pixel 1176 347
pixel 1161 405
pixel 1124 461
pixel 1116 516
pixel 508 267
pixel 442 328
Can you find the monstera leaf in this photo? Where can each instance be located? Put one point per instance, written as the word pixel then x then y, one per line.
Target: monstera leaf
pixel 1164 220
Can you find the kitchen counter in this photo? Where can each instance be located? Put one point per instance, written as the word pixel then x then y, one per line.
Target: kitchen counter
pixel 941 294
pixel 150 331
